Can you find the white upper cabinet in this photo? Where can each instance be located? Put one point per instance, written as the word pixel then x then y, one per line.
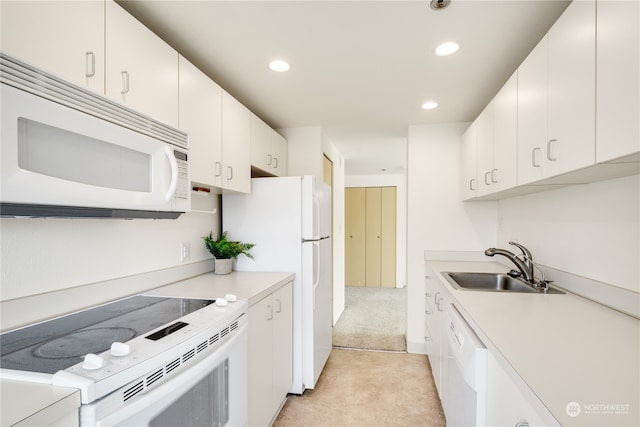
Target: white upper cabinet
pixel 63 38
pixel 268 149
pixel 201 117
pixel 141 69
pixel 469 163
pixel 236 145
pixel 618 87
pixel 484 129
pixel 556 98
pixel 505 136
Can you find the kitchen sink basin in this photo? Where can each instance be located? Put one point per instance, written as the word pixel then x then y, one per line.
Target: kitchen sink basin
pixel 496 282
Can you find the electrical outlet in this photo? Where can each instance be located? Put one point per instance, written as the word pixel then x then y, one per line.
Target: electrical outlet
pixel 185 251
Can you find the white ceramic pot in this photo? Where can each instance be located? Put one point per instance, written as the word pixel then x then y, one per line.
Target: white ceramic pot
pixel 223 266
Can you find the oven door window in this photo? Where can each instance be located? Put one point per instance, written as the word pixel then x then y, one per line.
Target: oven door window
pixel 205 404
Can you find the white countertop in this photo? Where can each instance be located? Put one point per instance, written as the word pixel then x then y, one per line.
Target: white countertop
pixel 35 404
pixel 252 286
pixel 565 347
pixel 41 404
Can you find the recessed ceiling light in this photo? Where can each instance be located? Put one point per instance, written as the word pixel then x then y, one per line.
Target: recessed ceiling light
pixel 279 66
pixel 429 105
pixel 446 48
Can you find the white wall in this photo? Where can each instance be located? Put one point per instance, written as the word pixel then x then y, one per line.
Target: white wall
pixel 400 182
pixel 46 255
pixel 589 230
pixel 436 217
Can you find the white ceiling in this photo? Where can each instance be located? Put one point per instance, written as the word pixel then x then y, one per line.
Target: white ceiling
pixel 360 69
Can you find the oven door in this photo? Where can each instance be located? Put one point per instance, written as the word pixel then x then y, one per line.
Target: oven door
pixel 212 392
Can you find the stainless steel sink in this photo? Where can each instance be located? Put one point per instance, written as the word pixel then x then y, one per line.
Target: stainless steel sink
pixel 495 282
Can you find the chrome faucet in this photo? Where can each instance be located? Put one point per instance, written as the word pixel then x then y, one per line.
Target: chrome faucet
pixel 525 266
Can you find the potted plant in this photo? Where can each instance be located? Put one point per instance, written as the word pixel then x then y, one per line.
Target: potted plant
pixel 225 251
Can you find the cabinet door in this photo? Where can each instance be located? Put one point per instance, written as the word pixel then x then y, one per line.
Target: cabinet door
pixel 141 69
pixel 282 344
pixel 505 136
pixel 201 117
pixel 484 129
pixel 279 149
pixel 261 154
pixel 507 405
pixel 532 114
pixel 469 163
pixel 571 90
pixel 388 237
pixel 355 236
pixel 372 236
pixel 618 85
pixel 261 362
pixel 61 37
pixel 236 145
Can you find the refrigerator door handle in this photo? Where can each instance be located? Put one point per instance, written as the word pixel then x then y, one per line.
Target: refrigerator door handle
pixel 316 270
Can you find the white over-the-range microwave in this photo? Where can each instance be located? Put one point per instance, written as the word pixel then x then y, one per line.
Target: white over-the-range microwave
pixel 68 152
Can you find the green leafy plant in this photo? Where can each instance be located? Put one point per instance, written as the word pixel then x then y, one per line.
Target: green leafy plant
pixel 223 248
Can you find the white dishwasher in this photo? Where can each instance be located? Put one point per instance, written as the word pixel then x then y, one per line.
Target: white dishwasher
pixel 466 403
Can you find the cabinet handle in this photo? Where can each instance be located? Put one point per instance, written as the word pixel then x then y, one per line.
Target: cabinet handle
pixel 471 182
pixel 279 309
pixel 229 173
pixel 270 159
pixel 551 159
pixel 486 176
pixel 90 64
pixel 533 157
pixel 275 163
pixel 125 82
pixel 522 424
pixel 438 304
pixel 493 178
pixel 218 169
pixel 435 298
pixel 269 312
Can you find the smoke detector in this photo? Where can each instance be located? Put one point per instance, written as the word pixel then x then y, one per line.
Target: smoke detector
pixel 439 4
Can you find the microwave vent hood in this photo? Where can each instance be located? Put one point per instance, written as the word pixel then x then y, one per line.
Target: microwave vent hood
pixel 156 153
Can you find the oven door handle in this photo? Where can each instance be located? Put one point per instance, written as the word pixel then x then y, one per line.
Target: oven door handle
pixel 143 408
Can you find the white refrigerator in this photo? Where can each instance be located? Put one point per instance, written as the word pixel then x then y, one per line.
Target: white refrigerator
pixel 289 220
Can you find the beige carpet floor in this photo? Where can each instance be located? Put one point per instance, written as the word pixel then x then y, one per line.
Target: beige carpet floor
pixel 368 388
pixel 373 319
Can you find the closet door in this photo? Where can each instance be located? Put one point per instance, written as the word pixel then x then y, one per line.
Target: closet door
pixel 388 239
pixel 373 221
pixel 355 236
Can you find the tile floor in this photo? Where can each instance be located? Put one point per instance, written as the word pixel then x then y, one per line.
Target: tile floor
pixel 367 388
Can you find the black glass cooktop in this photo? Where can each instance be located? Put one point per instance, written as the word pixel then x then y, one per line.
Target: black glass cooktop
pixel 54 345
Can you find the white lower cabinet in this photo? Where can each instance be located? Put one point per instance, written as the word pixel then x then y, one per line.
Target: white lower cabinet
pixel 436 302
pixel 508 404
pixel 270 355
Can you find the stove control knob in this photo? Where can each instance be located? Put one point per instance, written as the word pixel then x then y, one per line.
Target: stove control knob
pixel 231 297
pixel 221 302
pixel 119 349
pixel 92 362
